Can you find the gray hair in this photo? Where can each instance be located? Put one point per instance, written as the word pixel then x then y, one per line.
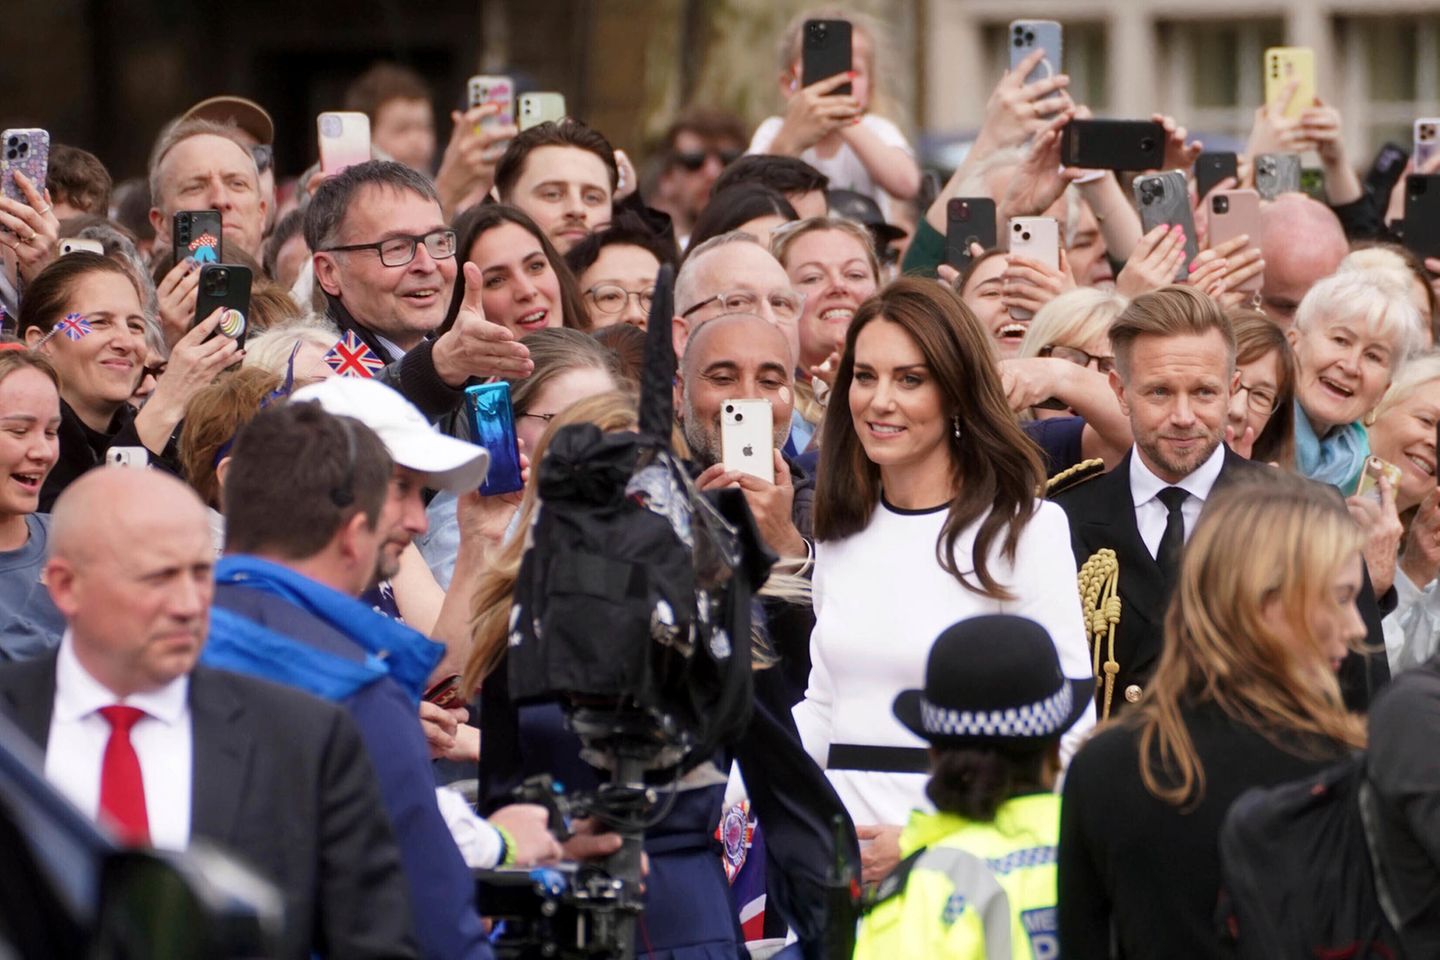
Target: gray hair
pixel 1377 299
pixel 182 130
pixel 685 279
pixel 325 214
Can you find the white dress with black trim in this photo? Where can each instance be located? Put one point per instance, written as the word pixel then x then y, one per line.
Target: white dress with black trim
pixel 881 599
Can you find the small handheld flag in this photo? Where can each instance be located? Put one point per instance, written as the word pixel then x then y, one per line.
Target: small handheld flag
pixel 350 357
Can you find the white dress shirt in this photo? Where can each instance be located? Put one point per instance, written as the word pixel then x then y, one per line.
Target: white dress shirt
pixel 1151 514
pixel 162 739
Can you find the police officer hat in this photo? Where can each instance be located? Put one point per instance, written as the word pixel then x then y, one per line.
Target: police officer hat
pixel 994 680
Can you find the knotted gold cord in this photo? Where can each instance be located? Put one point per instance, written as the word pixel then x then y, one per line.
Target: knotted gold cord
pixel 1100 603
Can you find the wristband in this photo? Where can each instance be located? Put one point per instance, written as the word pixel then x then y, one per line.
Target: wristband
pixel 507 846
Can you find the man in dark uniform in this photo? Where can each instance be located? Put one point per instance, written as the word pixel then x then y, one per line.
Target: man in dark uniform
pixel 1175 372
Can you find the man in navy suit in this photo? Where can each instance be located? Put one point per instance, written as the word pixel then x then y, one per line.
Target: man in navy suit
pixel 162 750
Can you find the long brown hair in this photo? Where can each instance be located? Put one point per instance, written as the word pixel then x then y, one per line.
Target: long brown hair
pixel 995 468
pixel 1276 537
pixel 1255 336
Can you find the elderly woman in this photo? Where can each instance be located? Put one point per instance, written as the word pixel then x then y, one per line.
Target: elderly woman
pixel 1353 333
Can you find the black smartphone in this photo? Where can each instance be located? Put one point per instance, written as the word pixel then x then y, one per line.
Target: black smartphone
pixel 197 234
pixel 1422 214
pixel 825 52
pixel 225 285
pixel 1384 173
pixel 1211 168
pixel 1113 144
pixel 968 220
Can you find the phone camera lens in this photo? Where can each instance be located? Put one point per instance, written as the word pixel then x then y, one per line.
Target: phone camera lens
pixel 729 408
pixel 739 418
pixel 1019 41
pixel 1147 143
pixel 1029 37
pixel 1025 236
pixel 1221 204
pixel 12 141
pixel 1017 228
pixel 24 148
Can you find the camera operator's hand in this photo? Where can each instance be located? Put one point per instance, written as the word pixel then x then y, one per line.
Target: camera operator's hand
pixel 588 843
pixel 771 503
pixel 881 854
pixel 1380 523
pixel 475 347
pixel 529 826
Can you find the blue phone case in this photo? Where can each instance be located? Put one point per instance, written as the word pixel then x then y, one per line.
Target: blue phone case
pixel 492 425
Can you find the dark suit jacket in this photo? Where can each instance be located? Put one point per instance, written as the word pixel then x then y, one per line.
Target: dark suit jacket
pixel 1102 514
pixel 282 780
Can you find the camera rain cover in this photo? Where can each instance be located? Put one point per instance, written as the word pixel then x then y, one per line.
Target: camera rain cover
pixel 634 591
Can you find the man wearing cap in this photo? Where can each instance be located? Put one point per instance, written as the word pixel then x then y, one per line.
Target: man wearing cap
pixel 256 129
pixel 203 165
pixel 316 512
pixel 977 878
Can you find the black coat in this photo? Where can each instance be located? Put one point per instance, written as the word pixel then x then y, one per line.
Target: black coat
pixel 82 449
pixel 1102 514
pixel 281 779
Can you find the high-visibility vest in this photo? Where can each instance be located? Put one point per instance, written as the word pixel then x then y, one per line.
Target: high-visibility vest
pixel 971 891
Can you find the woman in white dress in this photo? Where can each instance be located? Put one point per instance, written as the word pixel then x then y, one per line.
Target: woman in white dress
pixel 927 512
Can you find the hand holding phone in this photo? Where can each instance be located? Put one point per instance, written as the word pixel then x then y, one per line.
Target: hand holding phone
pixel 747 437
pixel 1289 80
pixel 1113 145
pixel 968 220
pixel 1164 199
pixel 492 89
pixel 825 52
pixel 492 426
pixel 227 286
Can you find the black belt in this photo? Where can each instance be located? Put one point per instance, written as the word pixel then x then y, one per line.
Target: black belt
pixel 859 756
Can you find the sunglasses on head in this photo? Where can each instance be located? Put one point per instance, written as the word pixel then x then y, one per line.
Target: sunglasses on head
pixel 264 155
pixel 693 160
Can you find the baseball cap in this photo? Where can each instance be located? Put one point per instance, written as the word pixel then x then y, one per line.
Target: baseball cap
pixel 244 113
pixel 852 205
pixel 447 463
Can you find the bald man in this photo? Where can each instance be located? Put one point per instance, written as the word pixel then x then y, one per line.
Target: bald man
pixel 162 751
pixel 1302 242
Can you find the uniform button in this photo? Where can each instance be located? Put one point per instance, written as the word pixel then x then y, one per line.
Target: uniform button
pixel 1132 693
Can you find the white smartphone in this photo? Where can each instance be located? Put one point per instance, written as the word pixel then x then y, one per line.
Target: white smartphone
pixel 747 438
pixel 493 89
pixel 344 140
pixel 1036 238
pixel 81 245
pixel 538 108
pixel 1427 142
pixel 127 457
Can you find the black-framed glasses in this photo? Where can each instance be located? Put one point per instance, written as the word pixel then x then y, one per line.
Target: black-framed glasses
pixel 398 251
pixel 1262 400
pixel 693 160
pixel 264 155
pixel 612 298
pixel 785 304
pixel 1078 357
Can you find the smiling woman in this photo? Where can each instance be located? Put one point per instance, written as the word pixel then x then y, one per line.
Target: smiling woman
pixel 29 447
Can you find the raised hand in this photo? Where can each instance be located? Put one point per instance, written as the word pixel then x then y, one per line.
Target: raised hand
pixel 475 347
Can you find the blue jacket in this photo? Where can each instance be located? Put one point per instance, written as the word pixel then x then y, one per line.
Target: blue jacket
pixel 440 884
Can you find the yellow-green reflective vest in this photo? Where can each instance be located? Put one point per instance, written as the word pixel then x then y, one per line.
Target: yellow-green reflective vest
pixel 971 890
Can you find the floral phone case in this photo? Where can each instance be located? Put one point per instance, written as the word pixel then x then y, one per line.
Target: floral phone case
pixel 27 151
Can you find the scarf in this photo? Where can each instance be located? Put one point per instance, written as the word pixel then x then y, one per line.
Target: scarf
pixel 1337 459
pixel 393 649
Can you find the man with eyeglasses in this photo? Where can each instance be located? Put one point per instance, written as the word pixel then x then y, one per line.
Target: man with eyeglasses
pixel 700 143
pixel 385 259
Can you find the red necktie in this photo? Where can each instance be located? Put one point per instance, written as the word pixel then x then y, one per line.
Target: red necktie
pixel 122 791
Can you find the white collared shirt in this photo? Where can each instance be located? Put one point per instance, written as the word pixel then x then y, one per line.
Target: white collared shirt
pixel 395 352
pixel 1151 514
pixel 163 741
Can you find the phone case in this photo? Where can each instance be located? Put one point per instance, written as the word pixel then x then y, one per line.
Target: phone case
pixel 344 140
pixel 538 108
pixel 826 52
pixel 1277 173
pixel 968 220
pixel 498 90
pixel 1232 213
pixel 1211 168
pixel 1113 145
pixel 79 245
pixel 225 285
pixel 1036 238
pixel 1026 35
pixel 1427 140
pixel 28 151
pixel 197 233
pixel 747 432
pixel 1284 64
pixel 1163 198
pixel 1422 214
pixel 492 426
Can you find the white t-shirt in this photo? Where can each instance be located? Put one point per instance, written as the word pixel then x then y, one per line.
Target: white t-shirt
pixel 843 167
pixel 881 599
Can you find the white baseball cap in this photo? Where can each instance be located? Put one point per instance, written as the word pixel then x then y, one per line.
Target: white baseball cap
pixel 447 463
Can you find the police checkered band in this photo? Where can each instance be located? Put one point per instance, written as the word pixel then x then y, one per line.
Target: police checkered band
pixel 1040 719
pixel 1022 859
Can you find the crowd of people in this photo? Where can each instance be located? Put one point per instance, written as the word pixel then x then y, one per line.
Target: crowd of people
pixel 1069 556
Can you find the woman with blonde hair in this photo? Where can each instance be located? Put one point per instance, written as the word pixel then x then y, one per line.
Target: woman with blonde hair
pixel 1245 696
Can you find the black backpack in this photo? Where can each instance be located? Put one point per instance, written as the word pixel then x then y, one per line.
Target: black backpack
pixel 634 594
pixel 1297 880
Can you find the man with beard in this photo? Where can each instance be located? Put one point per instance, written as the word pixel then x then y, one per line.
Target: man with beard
pixel 317 511
pixel 1175 372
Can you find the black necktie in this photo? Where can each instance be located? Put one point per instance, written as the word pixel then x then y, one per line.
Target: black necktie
pixel 1168 556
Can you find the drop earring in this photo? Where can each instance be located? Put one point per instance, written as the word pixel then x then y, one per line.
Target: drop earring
pixel 955 424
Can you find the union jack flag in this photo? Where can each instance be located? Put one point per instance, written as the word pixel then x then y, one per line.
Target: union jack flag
pixel 350 357
pixel 74 326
